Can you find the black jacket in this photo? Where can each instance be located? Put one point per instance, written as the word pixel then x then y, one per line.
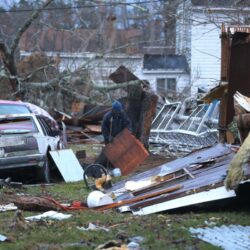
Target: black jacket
pixel 113 124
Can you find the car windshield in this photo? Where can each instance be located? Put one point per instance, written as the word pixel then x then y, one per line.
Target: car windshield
pixel 8 109
pixel 17 125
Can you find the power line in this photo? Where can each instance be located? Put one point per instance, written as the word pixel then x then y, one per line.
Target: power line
pixel 83 7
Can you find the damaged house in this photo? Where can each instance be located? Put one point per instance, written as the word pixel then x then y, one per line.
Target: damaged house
pixel 198 29
pixel 216 173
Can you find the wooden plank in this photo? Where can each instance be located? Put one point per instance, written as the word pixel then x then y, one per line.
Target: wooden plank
pixel 141 198
pixel 126 152
pixel 94 128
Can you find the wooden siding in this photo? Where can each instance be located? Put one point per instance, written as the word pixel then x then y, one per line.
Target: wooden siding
pixel 198 38
pixel 205 55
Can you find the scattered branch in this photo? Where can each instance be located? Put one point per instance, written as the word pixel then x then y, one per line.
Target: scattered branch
pixel 116 86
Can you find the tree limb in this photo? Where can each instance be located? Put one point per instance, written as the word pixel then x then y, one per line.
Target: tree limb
pixel 26 26
pixel 107 88
pixel 57 84
pixel 79 97
pixel 104 88
pixel 8 55
pixel 9 65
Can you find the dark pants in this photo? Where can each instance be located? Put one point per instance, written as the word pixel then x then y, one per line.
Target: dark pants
pixel 103 160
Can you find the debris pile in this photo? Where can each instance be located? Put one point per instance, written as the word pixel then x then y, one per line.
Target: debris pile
pixel 177 130
pixel 83 126
pixel 196 178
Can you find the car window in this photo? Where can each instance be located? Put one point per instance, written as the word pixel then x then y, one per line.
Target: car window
pixel 45 126
pixel 42 126
pixel 17 125
pixel 7 109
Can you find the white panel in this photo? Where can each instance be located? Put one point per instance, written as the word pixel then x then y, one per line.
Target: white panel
pixel 67 164
pixel 211 195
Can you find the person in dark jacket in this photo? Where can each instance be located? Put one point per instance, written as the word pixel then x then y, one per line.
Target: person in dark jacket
pixel 114 122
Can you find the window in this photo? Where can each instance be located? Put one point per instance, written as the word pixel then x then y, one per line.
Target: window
pixel 171 84
pixel 17 125
pixel 161 87
pixel 7 109
pixel 166 85
pixel 45 127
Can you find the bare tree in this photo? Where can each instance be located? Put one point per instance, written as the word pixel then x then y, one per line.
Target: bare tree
pixel 8 54
pixel 89 26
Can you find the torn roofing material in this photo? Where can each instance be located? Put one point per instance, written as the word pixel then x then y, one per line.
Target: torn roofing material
pixel 199 177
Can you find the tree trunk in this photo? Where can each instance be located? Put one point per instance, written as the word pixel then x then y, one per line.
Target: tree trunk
pixel 9 64
pixel 141 104
pixel 148 110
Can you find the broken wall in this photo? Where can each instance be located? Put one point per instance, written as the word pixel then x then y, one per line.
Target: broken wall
pixel 239 73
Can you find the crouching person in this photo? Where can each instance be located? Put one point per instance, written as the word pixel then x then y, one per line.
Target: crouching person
pixel 113 123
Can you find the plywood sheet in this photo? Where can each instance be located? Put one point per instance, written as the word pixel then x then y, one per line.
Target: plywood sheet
pixel 126 152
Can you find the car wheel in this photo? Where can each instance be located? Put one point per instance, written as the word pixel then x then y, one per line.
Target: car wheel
pixel 45 171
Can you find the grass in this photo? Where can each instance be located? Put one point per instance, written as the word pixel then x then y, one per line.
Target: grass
pixel 161 231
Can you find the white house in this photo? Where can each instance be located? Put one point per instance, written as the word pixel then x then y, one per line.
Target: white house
pixel 166 73
pixel 99 66
pixel 198 29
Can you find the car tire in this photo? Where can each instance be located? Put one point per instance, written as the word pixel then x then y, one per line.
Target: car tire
pixel 45 171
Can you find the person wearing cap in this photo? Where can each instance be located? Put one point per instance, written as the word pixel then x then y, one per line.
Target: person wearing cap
pixel 114 122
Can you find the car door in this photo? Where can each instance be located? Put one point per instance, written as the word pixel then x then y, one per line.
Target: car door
pixel 51 140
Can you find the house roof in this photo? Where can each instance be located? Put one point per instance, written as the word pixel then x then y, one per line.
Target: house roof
pixel 78 40
pixel 166 62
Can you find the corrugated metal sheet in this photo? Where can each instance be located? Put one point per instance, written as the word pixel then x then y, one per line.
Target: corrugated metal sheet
pixel 232 237
pixel 200 176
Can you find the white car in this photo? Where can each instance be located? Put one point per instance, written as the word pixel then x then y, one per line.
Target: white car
pixel 25 141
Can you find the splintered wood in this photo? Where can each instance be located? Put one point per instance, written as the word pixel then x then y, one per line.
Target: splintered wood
pixel 126 152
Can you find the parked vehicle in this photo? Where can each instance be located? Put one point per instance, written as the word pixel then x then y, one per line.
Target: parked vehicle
pixel 25 141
